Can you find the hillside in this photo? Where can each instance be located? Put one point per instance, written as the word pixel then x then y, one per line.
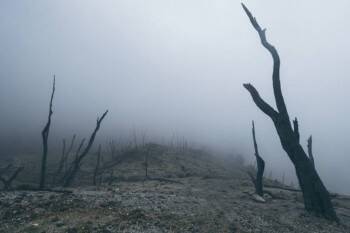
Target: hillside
pixel 187 191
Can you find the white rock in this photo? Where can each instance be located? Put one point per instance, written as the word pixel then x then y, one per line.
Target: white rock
pixel 258 198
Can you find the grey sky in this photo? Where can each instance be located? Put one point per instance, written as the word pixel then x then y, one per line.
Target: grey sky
pixel 178 66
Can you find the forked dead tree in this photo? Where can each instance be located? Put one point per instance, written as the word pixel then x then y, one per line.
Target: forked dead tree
pixel 260 166
pixel 73 169
pixel 45 136
pixel 316 196
pixel 7 181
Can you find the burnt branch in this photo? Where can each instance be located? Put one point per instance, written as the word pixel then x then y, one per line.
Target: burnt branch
pixel 281 106
pixel 97 167
pixel 61 162
pixel 80 156
pixel 265 107
pixel 45 136
pixel 79 148
pixel 146 161
pixel 296 129
pixel 309 150
pixel 260 165
pixel 74 164
pixel 69 151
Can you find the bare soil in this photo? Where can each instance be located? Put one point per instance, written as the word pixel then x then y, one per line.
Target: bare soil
pixel 201 194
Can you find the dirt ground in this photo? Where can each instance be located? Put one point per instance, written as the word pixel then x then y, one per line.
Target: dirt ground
pixel 194 205
pixel 196 193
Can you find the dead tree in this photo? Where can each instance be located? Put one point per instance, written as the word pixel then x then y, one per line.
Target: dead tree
pixel 309 150
pixel 7 182
pixel 111 177
pixel 72 165
pixel 61 162
pixel 62 165
pixel 113 149
pixel 97 165
pixel 72 171
pixel 260 166
pixel 316 196
pixel 45 136
pixel 146 162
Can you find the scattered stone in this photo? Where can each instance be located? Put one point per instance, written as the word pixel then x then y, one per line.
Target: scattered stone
pixel 258 198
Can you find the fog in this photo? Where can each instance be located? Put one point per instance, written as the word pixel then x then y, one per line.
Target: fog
pixel 166 68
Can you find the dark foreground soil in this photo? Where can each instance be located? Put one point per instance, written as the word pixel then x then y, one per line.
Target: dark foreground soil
pixel 195 193
pixel 194 205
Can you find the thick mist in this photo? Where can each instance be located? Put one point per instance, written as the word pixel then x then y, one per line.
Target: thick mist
pixel 167 68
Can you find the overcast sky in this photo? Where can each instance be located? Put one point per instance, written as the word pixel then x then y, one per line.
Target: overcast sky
pixel 165 67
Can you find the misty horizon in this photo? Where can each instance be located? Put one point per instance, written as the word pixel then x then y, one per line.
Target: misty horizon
pixel 177 68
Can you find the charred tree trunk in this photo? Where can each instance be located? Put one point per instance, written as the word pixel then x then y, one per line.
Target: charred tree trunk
pixel 260 165
pixel 97 165
pixel 71 173
pixel 316 196
pixel 45 136
pixel 146 163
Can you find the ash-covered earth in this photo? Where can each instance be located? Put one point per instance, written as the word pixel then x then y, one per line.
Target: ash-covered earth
pixel 185 192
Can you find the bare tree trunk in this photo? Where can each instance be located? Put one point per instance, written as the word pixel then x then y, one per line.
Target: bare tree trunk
pixel 111 177
pixel 71 173
pixel 45 136
pixel 97 165
pixel 260 165
pixel 146 163
pixel 316 196
pixel 61 162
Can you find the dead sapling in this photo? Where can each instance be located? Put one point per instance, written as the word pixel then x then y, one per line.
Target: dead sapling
pixel 62 165
pixel 75 166
pixel 145 163
pixel 8 179
pixel 258 180
pixel 97 167
pixel 118 155
pixel 309 150
pixel 45 136
pixel 316 196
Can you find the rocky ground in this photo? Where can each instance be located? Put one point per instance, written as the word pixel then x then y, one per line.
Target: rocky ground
pixel 209 198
